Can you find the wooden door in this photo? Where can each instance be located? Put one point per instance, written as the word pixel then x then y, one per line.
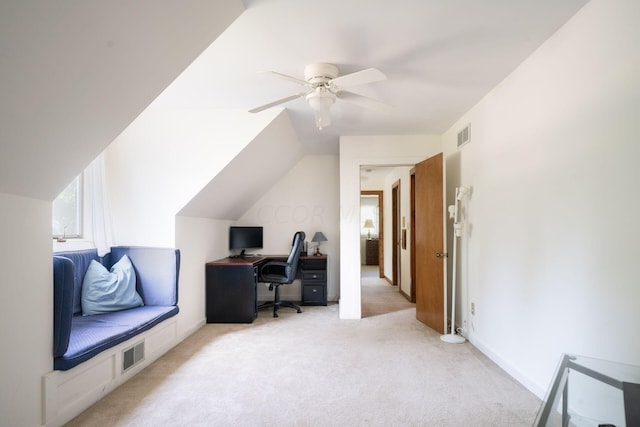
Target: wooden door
pixel 412 242
pixel 430 243
pixel 395 232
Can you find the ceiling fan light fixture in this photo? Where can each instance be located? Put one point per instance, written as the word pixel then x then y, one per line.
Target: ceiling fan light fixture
pixel 320 101
pixel 323 85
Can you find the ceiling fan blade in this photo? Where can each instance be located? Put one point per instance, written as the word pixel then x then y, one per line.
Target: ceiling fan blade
pixel 364 101
pixel 370 75
pixel 287 77
pixel 278 102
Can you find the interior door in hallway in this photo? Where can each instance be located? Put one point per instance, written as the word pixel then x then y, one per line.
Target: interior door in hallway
pixel 430 243
pixel 396 261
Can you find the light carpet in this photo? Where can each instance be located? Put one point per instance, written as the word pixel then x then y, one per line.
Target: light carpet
pixel 313 369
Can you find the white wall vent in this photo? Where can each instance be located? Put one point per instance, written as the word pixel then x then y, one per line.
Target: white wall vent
pixel 464 136
pixel 132 355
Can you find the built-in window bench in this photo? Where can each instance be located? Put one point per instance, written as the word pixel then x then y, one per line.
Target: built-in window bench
pixel 93 354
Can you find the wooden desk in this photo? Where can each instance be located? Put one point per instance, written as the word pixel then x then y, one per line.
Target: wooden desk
pixel 231 286
pixel 231 289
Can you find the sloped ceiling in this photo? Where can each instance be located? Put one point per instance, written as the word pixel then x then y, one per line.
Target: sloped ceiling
pixel 440 58
pixel 74 74
pixel 250 174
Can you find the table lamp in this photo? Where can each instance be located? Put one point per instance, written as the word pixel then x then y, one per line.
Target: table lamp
pixel 318 238
pixel 368 224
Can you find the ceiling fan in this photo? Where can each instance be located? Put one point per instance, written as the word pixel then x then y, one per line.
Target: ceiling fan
pixel 324 85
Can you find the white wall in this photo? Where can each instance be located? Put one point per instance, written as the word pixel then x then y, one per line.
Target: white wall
pixel 403 175
pixel 251 173
pixel 86 79
pixel 156 167
pixel 163 160
pixel 200 240
pixel 374 182
pixel 356 151
pixel 26 317
pixel 75 74
pixel 550 253
pixel 304 199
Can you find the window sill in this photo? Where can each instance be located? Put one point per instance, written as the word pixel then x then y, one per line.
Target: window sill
pixel 72 245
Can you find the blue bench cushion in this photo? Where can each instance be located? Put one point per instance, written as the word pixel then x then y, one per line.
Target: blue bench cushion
pixel 63 277
pixel 78 338
pixel 81 261
pixel 91 335
pixel 153 266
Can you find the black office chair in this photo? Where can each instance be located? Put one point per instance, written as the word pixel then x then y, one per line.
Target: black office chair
pixel 278 273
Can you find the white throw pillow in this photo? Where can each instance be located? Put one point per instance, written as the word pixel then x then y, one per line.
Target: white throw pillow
pixel 104 291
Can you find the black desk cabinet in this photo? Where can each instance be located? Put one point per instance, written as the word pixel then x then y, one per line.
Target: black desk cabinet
pixel 313 273
pixel 231 291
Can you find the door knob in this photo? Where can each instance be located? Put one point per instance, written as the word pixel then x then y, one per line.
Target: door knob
pixel 441 254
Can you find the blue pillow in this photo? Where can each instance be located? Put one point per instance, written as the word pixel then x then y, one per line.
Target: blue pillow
pixel 104 291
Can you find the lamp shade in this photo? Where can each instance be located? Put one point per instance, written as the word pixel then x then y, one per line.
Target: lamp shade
pixel 321 100
pixel 368 223
pixel 319 237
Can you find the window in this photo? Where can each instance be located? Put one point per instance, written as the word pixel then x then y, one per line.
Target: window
pixel 67 211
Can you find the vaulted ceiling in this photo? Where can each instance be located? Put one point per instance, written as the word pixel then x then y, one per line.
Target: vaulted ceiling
pixel 440 58
pixel 74 75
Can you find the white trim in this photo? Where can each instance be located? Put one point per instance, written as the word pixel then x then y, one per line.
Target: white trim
pixel 66 394
pixel 517 374
pixel 72 245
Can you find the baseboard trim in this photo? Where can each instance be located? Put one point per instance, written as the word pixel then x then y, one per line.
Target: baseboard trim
pixel 514 372
pixel 65 394
pixel 192 330
pixel 404 294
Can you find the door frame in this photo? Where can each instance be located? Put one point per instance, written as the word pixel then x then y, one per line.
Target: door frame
pixel 352 159
pixel 396 263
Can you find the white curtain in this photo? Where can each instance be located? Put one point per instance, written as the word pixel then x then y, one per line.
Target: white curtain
pixel 100 219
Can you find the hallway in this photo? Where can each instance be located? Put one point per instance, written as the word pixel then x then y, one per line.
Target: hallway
pixel 378 296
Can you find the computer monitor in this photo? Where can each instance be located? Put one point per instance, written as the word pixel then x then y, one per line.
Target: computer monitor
pixel 242 238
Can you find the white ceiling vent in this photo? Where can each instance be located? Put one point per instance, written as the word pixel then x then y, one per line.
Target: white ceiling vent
pixel 464 136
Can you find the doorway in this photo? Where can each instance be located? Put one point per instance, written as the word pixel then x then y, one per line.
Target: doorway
pixel 414 241
pixel 377 296
pixel 372 232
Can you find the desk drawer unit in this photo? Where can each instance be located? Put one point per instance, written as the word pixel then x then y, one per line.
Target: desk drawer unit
pixel 314 281
pixel 313 295
pixel 314 276
pixel 231 293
